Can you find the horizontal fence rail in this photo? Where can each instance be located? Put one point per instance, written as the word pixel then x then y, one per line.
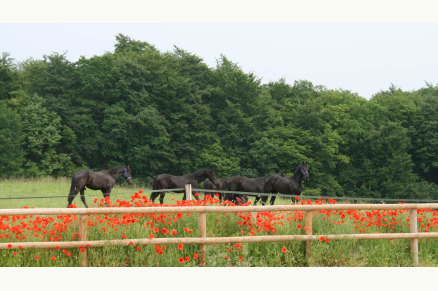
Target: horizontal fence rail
pixel 213 209
pixel 302 196
pixel 202 240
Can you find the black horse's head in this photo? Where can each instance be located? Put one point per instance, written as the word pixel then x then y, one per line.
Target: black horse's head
pixel 127 174
pixel 212 176
pixel 304 168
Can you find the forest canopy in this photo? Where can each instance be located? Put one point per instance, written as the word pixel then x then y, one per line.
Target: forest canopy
pixel 168 112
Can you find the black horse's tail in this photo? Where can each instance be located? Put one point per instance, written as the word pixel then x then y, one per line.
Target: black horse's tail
pixel 155 183
pixel 73 186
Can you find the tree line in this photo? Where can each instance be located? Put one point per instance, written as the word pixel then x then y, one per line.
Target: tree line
pixel 168 112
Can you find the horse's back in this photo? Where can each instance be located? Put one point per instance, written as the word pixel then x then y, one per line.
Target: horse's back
pixel 272 183
pixel 253 184
pixel 209 185
pixel 285 185
pixel 232 183
pixel 163 181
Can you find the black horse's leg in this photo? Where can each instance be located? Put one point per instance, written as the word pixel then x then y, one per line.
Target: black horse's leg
pixel 154 196
pixel 273 199
pixel 264 199
pixel 257 200
pixel 71 196
pixel 83 197
pixel 106 193
pixel 162 197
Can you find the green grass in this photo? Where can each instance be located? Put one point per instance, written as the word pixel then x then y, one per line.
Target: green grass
pixel 353 253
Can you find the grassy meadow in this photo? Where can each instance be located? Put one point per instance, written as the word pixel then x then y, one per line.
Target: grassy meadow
pixel 325 253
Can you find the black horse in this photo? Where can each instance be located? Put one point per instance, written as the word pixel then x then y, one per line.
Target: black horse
pixel 166 181
pixel 209 185
pixel 102 180
pixel 243 184
pixel 292 185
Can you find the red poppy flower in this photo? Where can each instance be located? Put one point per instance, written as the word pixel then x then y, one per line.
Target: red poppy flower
pixel 164 230
pixel 9 246
pixel 195 256
pixel 156 229
pixel 53 258
pixel 151 236
pixel 37 257
pixel 173 231
pixel 284 250
pixel 327 240
pixel 230 250
pixel 321 238
pixel 241 258
pixel 130 243
pixel 299 226
pixel 14 253
pixel 297 197
pixel 68 254
pixel 124 236
pixel 187 259
pixel 138 248
pixel 181 260
pixel 180 246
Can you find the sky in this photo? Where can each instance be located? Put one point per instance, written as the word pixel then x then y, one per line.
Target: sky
pixel 361 58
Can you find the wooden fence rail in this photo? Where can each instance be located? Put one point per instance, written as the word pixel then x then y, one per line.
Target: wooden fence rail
pixel 202 240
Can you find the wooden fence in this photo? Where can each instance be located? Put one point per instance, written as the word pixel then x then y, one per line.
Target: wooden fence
pixel 202 240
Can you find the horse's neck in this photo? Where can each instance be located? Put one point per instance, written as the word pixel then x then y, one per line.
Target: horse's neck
pixel 116 172
pixel 298 176
pixel 199 176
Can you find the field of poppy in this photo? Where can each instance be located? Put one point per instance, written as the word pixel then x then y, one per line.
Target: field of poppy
pixel 325 252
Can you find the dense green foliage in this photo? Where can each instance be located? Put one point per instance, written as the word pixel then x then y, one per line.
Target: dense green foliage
pixel 171 113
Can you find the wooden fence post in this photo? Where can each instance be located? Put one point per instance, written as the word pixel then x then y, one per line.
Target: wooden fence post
pixel 188 190
pixel 83 222
pixel 413 228
pixel 202 224
pixel 308 230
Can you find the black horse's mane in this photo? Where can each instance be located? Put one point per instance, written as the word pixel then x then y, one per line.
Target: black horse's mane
pixel 297 171
pixel 115 170
pixel 201 171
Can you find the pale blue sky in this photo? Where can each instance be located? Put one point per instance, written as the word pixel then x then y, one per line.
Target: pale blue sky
pixel 362 58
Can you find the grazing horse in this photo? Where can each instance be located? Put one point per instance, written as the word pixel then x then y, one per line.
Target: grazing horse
pixel 209 185
pixel 243 184
pixel 102 180
pixel 292 185
pixel 166 181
